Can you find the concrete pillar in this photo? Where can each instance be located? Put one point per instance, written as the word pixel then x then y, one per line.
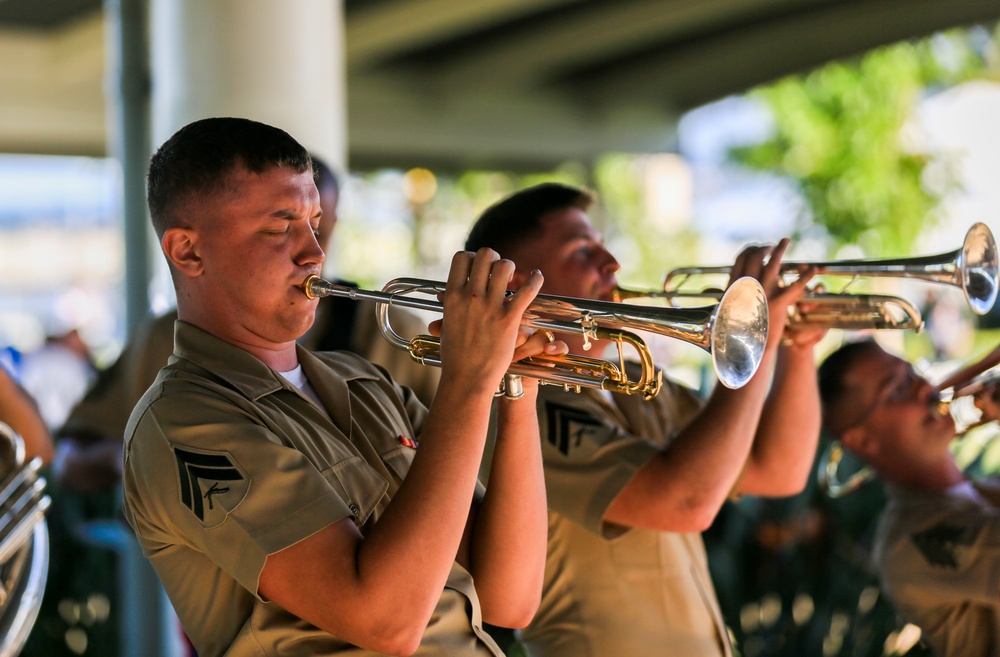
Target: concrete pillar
pixel 127 91
pixel 281 63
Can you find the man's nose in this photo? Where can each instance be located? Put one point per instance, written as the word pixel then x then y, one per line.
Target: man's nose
pixel 924 391
pixel 610 264
pixel 311 251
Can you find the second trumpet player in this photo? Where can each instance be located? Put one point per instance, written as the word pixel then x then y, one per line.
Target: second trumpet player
pixel 632 483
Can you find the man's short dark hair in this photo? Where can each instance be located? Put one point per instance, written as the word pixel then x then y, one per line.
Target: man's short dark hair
pixel 516 218
pixel 198 159
pixel 833 390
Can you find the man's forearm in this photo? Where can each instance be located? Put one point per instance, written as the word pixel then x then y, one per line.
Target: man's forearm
pixel 507 556
pixel 785 446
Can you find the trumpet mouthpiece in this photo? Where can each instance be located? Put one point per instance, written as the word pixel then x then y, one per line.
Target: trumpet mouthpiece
pixel 312 287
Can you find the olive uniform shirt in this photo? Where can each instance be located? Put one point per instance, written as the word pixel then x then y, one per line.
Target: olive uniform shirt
pixel 612 591
pixel 226 462
pixel 938 557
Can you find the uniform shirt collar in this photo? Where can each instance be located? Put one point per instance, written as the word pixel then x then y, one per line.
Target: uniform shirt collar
pixel 238 367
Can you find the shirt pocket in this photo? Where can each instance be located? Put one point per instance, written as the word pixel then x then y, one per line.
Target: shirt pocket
pixel 398 459
pixel 358 484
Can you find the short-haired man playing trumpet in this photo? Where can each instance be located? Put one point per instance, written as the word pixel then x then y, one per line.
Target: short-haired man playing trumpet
pixel 937 546
pixel 631 483
pixel 302 504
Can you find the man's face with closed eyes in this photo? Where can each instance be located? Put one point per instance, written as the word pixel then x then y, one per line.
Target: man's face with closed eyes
pixel 892 410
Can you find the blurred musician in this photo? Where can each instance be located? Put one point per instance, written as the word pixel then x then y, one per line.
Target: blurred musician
pixel 630 483
pixel 937 548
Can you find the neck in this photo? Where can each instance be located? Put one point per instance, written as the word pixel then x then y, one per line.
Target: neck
pixel 280 357
pixel 938 476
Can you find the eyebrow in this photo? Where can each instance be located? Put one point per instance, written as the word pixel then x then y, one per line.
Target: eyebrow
pixel 579 236
pixel 291 215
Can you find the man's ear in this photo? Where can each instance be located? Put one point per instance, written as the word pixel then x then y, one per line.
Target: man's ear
pixel 859 440
pixel 181 248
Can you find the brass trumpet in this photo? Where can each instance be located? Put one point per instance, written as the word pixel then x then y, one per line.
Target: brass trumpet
pixel 733 331
pixel 973 268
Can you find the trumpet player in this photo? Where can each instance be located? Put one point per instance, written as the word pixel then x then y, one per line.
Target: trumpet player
pixel 937 546
pixel 296 503
pixel 632 484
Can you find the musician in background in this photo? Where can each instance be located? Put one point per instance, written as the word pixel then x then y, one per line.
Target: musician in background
pixel 937 547
pixel 632 484
pixel 303 503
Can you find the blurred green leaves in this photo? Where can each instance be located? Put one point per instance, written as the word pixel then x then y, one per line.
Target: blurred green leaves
pixel 845 133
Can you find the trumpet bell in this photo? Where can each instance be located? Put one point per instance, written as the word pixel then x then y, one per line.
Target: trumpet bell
pixel 978 269
pixel 739 332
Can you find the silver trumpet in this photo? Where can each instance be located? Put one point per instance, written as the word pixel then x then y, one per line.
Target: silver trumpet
pixel 24 542
pixel 973 268
pixel 733 331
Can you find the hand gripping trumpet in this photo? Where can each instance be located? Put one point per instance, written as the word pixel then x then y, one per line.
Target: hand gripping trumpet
pixel 973 268
pixel 733 331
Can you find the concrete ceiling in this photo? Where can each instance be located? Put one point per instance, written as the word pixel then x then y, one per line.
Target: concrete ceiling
pixel 520 83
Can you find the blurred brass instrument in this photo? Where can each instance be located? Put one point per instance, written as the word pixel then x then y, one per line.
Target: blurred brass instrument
pixel 973 268
pixel 733 331
pixel 24 542
pixel 828 473
pixel 971 401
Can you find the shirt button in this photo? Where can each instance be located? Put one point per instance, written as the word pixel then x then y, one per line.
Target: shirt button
pixel 355 509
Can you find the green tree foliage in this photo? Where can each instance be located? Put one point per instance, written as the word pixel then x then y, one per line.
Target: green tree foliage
pixel 844 133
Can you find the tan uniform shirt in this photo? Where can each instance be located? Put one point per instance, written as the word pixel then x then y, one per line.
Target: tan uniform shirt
pixel 938 556
pixel 226 463
pixel 611 591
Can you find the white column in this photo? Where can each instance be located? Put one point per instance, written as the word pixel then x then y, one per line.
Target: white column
pixel 276 61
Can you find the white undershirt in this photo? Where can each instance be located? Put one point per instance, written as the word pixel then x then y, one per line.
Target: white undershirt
pixel 968 491
pixel 298 379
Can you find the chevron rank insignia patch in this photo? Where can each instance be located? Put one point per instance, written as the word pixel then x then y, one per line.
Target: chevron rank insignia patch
pixel 938 544
pixel 567 427
pixel 211 484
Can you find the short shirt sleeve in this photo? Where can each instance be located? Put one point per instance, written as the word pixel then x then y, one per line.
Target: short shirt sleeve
pixel 224 483
pixel 592 447
pixel 948 555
